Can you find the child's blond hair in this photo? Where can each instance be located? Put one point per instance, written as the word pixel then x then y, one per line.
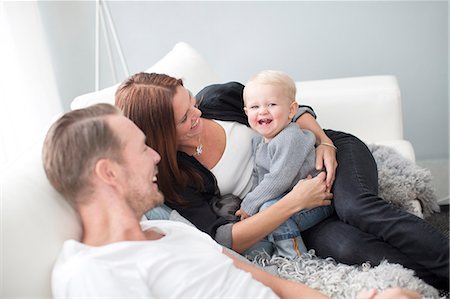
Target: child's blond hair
pixel 274 78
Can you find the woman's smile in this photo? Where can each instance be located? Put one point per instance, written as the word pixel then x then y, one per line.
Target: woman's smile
pixel 196 127
pixel 195 124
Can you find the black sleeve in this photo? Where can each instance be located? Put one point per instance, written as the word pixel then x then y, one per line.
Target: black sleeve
pixel 225 102
pixel 197 208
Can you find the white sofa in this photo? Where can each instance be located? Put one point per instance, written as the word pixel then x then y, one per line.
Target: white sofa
pixel 35 220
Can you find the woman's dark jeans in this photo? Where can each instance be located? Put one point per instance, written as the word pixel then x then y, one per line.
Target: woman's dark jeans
pixel 367 228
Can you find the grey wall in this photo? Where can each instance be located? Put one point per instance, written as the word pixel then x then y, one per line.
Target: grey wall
pixel 309 40
pixel 69 26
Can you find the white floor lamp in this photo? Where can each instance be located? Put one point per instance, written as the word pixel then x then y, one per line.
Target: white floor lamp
pixel 102 12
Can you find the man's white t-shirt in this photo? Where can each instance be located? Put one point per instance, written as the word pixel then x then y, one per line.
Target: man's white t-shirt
pixel 185 263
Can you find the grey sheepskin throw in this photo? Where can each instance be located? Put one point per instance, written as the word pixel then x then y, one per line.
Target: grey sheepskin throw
pixel 342 281
pixel 401 181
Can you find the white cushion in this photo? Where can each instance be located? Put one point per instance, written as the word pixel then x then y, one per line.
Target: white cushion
pixel 35 223
pixel 368 107
pixel 182 62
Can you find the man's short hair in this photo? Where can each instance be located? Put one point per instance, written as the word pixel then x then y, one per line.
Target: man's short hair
pixel 73 145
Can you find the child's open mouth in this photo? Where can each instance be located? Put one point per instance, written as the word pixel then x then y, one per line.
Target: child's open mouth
pixel 264 121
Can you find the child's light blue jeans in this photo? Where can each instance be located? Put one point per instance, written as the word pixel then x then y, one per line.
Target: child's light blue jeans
pixel 161 212
pixel 287 238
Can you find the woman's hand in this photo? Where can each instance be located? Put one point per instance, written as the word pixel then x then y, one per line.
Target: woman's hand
pixel 310 193
pixel 326 158
pixel 325 153
pixel 307 193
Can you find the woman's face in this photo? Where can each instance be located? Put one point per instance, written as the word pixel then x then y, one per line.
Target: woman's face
pixel 187 117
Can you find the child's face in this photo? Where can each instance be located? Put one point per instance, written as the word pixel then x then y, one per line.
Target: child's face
pixel 268 109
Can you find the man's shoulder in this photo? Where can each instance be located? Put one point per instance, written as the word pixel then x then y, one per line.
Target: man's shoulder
pixel 172 223
pixel 176 225
pixel 92 271
pixel 71 248
pixel 74 259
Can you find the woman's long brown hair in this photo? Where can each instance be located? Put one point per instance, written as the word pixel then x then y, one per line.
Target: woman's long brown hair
pixel 147 99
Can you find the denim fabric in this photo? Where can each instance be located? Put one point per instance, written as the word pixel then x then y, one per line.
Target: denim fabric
pixel 159 213
pixel 287 238
pixel 367 228
pixel 289 248
pixel 263 246
pixel 309 217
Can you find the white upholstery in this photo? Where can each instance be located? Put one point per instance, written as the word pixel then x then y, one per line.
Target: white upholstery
pixel 181 62
pixel 35 220
pixel 34 223
pixel 367 107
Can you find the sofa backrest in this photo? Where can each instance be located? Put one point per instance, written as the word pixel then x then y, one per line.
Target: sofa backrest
pixel 35 221
pixel 368 107
pixel 373 103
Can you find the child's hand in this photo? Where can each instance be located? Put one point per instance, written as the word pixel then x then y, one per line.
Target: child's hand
pixel 241 213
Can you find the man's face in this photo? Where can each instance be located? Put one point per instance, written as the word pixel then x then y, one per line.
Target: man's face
pixel 139 167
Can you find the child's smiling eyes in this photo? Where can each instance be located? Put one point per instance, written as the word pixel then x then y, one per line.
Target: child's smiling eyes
pixel 268 106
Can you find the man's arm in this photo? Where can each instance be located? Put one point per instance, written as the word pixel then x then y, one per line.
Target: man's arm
pixel 288 289
pixel 397 293
pixel 283 288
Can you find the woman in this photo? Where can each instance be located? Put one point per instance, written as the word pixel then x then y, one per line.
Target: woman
pixel 364 228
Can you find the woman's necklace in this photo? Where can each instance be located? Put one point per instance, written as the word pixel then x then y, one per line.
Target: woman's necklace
pixel 199 149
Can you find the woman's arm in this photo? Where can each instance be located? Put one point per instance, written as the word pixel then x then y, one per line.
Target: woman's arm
pixel 325 150
pixel 308 193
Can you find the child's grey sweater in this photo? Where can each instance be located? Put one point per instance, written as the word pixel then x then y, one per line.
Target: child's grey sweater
pixel 279 165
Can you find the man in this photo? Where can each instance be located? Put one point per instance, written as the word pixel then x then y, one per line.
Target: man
pixel 98 160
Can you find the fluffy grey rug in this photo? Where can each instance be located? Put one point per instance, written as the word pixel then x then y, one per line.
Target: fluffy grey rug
pixel 342 281
pixel 402 182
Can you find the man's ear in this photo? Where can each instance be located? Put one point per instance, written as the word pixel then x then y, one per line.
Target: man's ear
pixel 106 170
pixel 293 108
